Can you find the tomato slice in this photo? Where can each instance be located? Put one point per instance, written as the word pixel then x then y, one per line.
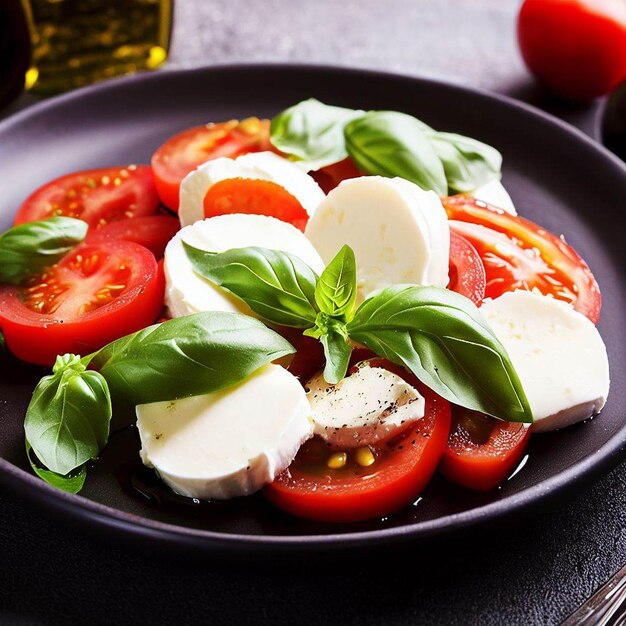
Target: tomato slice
pixel 330 176
pixel 482 451
pixel 95 196
pixel 403 466
pixel 183 152
pixel 519 254
pixel 258 197
pixel 152 232
pixel 467 272
pixel 95 294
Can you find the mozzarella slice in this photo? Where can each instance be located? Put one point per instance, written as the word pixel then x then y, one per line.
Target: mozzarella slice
pixel 229 443
pixel 558 354
pixel 187 293
pixel 494 193
pixel 365 407
pixel 257 166
pixel 399 232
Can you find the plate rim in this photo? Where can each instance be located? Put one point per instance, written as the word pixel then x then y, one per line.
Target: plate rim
pixel 29 488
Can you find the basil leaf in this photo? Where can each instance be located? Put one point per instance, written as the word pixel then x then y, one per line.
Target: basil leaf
pixel 187 356
pixel 442 338
pixel 337 352
pixel 335 292
pixel 468 163
pixel 72 483
pixel 276 285
pixel 312 132
pixel 391 144
pixel 67 420
pixel 30 248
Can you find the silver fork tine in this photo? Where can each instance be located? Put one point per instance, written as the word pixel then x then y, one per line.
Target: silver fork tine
pixel 606 607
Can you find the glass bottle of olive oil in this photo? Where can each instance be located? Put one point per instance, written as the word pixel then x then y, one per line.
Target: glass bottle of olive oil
pixel 77 42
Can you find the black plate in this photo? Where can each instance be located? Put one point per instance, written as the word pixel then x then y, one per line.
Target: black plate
pixel 556 175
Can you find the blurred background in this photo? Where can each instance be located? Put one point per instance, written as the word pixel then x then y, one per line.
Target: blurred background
pixel 360 34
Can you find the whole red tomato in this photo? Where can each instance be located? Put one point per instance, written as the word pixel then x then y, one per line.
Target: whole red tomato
pixel 577 48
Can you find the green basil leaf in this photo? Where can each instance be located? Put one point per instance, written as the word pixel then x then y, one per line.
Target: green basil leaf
pixel 30 248
pixel 337 352
pixel 72 483
pixel 278 286
pixel 67 420
pixel 188 356
pixel 468 163
pixel 335 292
pixel 312 132
pixel 442 338
pixel 391 144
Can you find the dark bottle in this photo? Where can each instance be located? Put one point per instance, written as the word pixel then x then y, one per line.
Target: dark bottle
pixel 15 49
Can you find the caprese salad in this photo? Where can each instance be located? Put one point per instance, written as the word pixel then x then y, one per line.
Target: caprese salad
pixel 329 306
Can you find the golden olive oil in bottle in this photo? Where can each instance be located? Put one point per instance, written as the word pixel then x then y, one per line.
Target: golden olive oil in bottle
pixel 78 42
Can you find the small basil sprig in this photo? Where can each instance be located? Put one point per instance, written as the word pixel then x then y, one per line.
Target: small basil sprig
pixel 276 285
pixel 442 338
pixel 67 421
pixel 386 143
pixel 312 133
pixel 391 144
pixel 30 248
pixel 437 334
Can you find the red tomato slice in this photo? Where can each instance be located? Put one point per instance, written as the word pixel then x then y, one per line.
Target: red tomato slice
pixel 95 294
pixel 403 466
pixel 330 176
pixel 482 451
pixel 152 232
pixel 182 153
pixel 95 196
pixel 467 272
pixel 519 254
pixel 259 197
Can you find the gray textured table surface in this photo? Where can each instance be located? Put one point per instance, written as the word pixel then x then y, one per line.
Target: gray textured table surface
pixel 51 573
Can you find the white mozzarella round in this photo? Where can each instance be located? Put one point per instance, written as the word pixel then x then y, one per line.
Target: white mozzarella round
pixel 398 231
pixel 365 407
pixel 257 166
pixel 494 193
pixel 229 443
pixel 187 293
pixel 558 354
